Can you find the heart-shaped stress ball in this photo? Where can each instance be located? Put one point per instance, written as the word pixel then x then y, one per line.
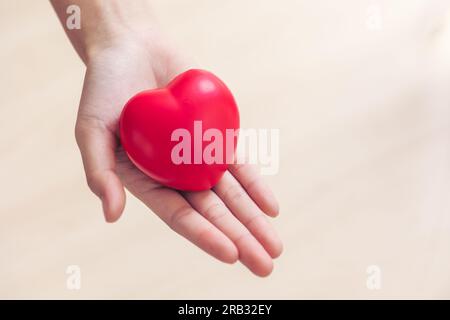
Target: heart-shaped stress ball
pixel 184 135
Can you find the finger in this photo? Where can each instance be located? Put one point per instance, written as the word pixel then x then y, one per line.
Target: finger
pixel 243 207
pixel 250 178
pixel 178 214
pixel 251 253
pixel 97 146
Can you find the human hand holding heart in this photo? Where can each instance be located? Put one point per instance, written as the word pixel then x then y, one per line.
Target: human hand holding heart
pixel 199 104
pixel 227 221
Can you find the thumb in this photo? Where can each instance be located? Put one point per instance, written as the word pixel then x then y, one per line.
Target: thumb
pixel 97 144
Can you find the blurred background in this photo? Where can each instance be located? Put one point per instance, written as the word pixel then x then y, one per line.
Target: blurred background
pixel 360 91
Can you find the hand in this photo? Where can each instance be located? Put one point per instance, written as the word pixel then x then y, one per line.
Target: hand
pixel 228 222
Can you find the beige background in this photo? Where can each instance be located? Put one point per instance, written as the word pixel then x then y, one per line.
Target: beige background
pixel 364 115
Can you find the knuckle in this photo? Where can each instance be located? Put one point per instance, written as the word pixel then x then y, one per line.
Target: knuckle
pixel 204 235
pixel 242 237
pixel 178 216
pixel 215 212
pixel 235 193
pixel 252 220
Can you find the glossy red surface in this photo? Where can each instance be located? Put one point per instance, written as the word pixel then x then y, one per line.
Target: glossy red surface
pixel 150 117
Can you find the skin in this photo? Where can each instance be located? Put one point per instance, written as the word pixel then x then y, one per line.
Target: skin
pixel 125 53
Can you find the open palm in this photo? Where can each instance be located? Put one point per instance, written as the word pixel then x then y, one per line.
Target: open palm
pixel 229 222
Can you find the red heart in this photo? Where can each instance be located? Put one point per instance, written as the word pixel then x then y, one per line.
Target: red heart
pixel 195 98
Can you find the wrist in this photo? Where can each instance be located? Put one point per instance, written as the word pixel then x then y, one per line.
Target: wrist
pixel 116 34
pixel 107 24
pixel 140 38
